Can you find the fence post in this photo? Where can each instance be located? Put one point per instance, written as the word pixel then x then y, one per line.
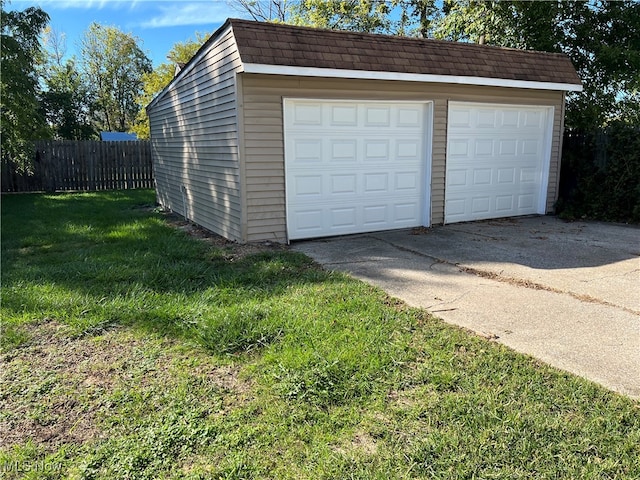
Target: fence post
pixel 82 165
pixel 49 171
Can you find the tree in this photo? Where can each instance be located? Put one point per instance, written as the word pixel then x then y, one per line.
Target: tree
pixel 609 64
pixel 113 64
pixel 153 82
pixel 476 21
pixel 64 99
pixel 264 10
pixel 20 118
pixel 421 13
pixel 602 39
pixel 64 102
pixel 354 15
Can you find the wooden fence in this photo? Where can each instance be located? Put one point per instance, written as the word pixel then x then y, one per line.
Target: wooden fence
pixel 61 165
pixel 594 144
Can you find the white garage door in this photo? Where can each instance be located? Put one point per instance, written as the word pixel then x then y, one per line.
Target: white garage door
pixel 497 160
pixel 354 167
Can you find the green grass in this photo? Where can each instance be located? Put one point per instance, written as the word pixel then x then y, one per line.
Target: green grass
pixel 132 350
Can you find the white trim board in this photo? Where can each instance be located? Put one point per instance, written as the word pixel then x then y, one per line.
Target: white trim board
pixel 407 77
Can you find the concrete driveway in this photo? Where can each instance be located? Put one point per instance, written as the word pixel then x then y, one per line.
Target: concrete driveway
pixel 565 293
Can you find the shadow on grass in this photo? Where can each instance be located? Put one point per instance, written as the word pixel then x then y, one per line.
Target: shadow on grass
pixel 96 260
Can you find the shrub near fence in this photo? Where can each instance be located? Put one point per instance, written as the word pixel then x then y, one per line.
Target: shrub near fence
pixel 61 165
pixel 600 175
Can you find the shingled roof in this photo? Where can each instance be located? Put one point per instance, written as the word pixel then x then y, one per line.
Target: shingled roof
pixel 272 48
pixel 293 46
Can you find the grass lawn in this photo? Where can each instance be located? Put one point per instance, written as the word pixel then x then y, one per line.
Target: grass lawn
pixel 132 348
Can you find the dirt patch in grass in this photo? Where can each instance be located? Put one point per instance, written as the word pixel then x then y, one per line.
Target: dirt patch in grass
pixel 232 251
pixel 360 444
pixel 57 389
pixel 46 384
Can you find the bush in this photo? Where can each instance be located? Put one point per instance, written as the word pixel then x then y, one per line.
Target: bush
pixel 600 176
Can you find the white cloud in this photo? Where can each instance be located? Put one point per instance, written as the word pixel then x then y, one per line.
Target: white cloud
pixel 189 13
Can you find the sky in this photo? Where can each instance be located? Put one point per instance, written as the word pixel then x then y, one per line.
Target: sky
pixel 158 24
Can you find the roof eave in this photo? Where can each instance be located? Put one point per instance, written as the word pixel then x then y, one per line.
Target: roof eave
pixel 407 77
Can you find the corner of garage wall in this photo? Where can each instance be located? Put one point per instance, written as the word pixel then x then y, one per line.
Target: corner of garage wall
pixel 194 132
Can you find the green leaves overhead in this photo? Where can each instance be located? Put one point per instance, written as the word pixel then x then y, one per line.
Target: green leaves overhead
pixel 65 102
pixel 43 93
pixel 20 117
pixel 113 64
pixel 154 81
pixel 602 38
pixel 361 16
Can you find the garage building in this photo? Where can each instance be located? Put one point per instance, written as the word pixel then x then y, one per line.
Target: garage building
pixel 278 132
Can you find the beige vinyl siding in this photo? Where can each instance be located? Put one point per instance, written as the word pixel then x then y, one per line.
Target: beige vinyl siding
pixel 438 156
pixel 556 153
pixel 263 134
pixel 194 138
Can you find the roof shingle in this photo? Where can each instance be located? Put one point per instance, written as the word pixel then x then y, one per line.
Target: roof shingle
pixel 287 45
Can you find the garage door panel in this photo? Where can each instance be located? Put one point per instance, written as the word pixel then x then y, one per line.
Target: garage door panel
pixel 456 178
pixel 343 184
pixel 507 147
pixel 509 118
pixel 375 183
pixel 506 176
pixel 338 219
pixel 405 214
pixel 364 150
pixel 344 115
pixel 526 201
pixel 486 118
pixel 343 151
pixel 377 116
pixel 482 176
pixel 308 221
pixel 307 150
pixel 458 147
pixel 410 117
pixel 504 203
pixel 487 206
pixel 376 151
pixel 308 186
pixel 307 114
pixel 459 117
pixel 481 205
pixel 484 147
pixel 329 114
pixel 408 150
pixel 375 216
pixel 407 182
pixel 461 180
pixel 343 217
pixel 350 169
pixel 532 119
pixel 314 187
pixel 496 156
pixel 529 175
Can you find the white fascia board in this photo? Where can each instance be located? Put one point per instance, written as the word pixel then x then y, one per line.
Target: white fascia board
pixel 190 66
pixel 406 77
